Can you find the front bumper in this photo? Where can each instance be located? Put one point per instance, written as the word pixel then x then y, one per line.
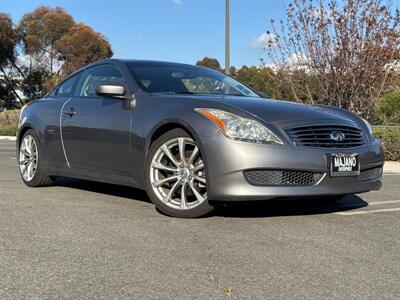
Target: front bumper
pixel 227 160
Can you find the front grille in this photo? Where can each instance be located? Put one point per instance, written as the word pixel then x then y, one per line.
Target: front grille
pixel 370 174
pixel 320 136
pixel 282 177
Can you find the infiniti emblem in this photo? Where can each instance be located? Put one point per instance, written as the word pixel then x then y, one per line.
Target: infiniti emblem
pixel 337 136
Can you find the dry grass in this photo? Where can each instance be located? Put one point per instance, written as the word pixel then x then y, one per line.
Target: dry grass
pixel 8 117
pixel 8 122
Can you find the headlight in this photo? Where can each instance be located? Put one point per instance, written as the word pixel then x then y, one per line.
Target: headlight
pixel 369 127
pixel 240 128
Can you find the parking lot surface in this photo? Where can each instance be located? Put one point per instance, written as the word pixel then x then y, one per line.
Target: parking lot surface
pixel 86 240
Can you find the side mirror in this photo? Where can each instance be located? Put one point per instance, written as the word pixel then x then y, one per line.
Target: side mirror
pixel 110 90
pixel 262 94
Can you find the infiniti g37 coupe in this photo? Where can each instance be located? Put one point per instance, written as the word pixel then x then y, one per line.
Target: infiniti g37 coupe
pixel 189 136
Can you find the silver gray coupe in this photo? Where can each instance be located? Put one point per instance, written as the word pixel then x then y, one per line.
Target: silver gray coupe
pixel 191 136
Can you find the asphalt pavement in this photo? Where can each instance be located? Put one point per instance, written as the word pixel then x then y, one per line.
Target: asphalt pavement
pixel 87 240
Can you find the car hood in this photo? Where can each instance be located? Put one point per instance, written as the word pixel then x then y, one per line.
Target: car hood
pixel 285 112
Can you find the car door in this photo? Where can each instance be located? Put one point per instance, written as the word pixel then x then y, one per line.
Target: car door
pixel 51 114
pixel 95 129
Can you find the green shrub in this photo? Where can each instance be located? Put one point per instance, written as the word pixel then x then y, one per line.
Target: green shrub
pixel 388 108
pixel 390 138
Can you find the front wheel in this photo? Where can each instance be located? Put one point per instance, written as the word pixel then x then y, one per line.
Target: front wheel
pixel 31 162
pixel 175 176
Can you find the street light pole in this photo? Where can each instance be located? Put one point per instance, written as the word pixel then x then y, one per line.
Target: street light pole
pixel 227 50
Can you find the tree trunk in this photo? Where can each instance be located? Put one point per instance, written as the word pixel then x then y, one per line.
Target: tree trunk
pixel 11 86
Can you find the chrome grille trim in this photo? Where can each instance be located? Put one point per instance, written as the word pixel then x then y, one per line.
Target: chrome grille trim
pixel 319 136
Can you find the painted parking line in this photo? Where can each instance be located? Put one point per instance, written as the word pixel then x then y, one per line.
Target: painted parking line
pixel 364 212
pixel 383 202
pixel 7 138
pixel 372 211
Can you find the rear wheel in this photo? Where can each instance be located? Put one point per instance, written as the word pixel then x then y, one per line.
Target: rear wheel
pixel 175 176
pixel 30 161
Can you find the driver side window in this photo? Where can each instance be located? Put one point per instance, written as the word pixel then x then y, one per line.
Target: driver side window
pixel 91 78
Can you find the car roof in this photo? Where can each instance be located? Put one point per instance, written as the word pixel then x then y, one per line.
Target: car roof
pixel 135 61
pixel 117 61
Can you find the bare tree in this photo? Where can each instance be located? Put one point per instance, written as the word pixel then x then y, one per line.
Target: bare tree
pixel 350 47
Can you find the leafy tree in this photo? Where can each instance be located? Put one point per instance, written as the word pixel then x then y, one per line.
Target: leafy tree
pixel 301 86
pixel 40 31
pixel 260 79
pixel 232 71
pixel 80 46
pixel 46 45
pixel 209 62
pixel 269 81
pixel 348 47
pixel 35 83
pixel 7 95
pixel 8 41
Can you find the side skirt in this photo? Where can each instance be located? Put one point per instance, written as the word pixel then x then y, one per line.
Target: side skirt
pixel 54 170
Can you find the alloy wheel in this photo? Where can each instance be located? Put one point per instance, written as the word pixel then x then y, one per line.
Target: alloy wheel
pixel 177 174
pixel 28 157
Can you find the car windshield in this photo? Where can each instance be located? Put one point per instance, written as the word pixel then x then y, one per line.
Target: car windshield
pixel 182 79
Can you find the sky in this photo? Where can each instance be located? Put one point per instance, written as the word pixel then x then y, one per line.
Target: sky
pixel 172 30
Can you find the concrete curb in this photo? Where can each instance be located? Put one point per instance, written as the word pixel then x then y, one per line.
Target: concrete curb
pixel 391 167
pixel 8 138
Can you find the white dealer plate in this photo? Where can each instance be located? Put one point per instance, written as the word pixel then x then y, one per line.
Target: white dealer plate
pixel 344 164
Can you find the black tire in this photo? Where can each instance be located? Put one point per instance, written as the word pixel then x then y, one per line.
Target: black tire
pixel 203 209
pixel 40 178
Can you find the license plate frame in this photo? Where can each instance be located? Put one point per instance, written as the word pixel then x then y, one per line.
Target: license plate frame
pixel 344 164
